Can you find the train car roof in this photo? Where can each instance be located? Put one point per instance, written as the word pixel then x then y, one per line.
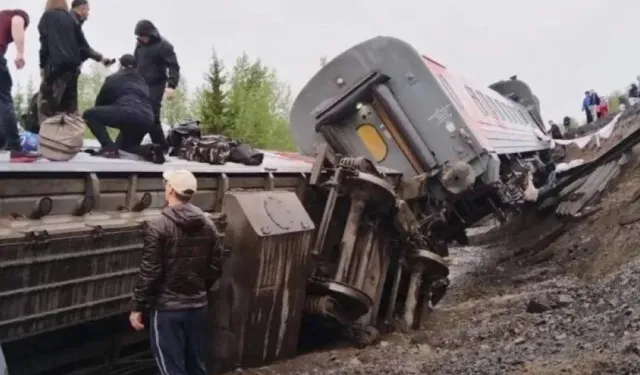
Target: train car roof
pixel 273 162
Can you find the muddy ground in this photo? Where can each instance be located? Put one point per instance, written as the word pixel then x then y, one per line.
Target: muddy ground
pixel 534 297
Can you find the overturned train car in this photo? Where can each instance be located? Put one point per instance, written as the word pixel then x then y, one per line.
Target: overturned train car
pixel 310 243
pixel 351 239
pixel 464 151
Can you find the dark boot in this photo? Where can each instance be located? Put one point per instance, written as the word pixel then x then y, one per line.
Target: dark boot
pixel 157 154
pixel 109 153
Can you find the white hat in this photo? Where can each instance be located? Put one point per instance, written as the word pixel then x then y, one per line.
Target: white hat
pixel 182 181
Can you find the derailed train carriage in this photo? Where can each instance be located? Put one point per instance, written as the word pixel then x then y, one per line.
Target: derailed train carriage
pixel 463 150
pixel 402 157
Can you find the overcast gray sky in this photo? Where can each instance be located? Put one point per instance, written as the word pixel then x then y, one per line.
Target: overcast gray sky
pixel 560 47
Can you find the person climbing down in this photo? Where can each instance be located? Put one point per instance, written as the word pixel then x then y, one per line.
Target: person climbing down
pixel 123 103
pixel 158 65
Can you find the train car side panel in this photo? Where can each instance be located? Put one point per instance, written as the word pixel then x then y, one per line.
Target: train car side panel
pixel 506 126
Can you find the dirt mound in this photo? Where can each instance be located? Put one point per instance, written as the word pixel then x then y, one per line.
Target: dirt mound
pixel 629 122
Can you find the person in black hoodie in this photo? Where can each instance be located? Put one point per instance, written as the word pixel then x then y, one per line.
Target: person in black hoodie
pixel 61 56
pixel 123 103
pixel 80 13
pixel 181 261
pixel 158 65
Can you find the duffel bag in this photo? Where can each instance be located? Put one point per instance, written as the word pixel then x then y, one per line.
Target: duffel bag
pixel 61 137
pixel 179 133
pixel 213 149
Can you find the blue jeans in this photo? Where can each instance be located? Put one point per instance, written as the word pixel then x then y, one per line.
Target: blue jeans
pixel 178 339
pixel 8 120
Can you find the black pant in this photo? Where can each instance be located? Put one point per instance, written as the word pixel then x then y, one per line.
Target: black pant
pixel 156 93
pixel 589 115
pixel 59 91
pixel 132 122
pixel 8 122
pixel 155 131
pixel 178 339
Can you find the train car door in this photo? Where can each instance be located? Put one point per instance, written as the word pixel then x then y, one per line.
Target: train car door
pixel 370 132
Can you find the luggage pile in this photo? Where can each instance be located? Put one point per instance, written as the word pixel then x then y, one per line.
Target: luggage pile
pixel 187 143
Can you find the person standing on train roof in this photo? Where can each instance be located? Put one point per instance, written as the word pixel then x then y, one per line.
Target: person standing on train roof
pixel 13 24
pixel 158 65
pixel 181 260
pixel 603 108
pixel 61 55
pixel 595 103
pixel 586 106
pixel 80 13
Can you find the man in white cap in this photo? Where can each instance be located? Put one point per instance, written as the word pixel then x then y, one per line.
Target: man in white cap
pixel 180 262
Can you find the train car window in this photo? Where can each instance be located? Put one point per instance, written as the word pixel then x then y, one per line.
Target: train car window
pixel 507 110
pixel 502 109
pixel 514 110
pixel 373 141
pixel 502 115
pixel 450 91
pixel 495 108
pixel 476 100
pixel 523 120
pixel 487 103
pixel 527 117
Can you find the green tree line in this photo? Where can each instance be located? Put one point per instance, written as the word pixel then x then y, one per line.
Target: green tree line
pixel 247 102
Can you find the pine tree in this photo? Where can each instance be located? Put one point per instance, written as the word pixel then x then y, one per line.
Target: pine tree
pixel 178 108
pixel 212 99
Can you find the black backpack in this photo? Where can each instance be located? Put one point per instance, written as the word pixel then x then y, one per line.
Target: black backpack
pixel 181 132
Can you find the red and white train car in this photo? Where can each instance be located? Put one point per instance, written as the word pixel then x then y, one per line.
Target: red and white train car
pixel 468 145
pixel 502 125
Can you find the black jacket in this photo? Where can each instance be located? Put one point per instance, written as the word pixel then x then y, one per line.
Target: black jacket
pixel 157 61
pixel 87 51
pixel 181 260
pixel 60 40
pixel 125 87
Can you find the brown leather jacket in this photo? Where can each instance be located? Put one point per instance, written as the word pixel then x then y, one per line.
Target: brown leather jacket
pixel 180 260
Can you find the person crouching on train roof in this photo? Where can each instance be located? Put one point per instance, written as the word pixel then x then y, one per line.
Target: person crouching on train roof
pixel 123 103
